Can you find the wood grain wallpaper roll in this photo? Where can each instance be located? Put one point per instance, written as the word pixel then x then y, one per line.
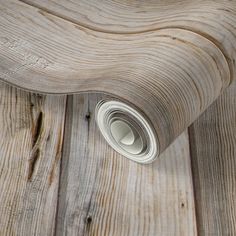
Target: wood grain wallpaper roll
pixel 162 62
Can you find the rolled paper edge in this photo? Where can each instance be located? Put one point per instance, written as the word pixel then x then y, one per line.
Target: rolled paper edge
pixel 107 110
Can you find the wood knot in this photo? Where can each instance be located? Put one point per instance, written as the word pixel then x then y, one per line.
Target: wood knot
pixel 89 219
pixel 87 116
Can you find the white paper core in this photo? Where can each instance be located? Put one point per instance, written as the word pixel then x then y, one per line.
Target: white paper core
pixel 126 136
pixel 126 131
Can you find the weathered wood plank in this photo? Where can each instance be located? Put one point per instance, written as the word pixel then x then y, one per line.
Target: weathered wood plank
pixel 31 131
pixel 103 193
pixel 213 152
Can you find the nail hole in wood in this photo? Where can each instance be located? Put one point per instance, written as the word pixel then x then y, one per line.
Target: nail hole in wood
pixel 88 219
pixel 87 116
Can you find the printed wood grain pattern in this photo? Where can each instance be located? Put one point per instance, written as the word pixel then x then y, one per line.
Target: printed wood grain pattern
pixel 213 19
pixel 57 23
pixel 31 133
pixel 170 76
pixel 103 193
pixel 125 17
pixel 213 154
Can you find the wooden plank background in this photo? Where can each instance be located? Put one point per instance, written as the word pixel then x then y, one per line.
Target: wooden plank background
pixel 58 176
pixel 213 153
pixel 102 193
pixel 94 191
pixel 31 133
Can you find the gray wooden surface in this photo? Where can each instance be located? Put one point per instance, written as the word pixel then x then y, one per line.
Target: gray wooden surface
pixel 31 132
pixel 103 193
pixel 95 191
pixel 213 153
pixel 58 176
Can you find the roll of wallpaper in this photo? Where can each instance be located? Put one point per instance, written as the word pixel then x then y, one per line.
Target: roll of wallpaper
pixel 160 74
pixel 146 113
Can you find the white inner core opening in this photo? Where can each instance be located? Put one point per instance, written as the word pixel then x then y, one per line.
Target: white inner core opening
pixel 126 137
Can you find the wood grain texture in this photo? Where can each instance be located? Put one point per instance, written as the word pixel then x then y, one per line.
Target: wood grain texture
pixel 67 58
pixel 170 75
pixel 213 152
pixel 31 132
pixel 102 193
pixel 125 17
pixel 213 19
pixel 169 60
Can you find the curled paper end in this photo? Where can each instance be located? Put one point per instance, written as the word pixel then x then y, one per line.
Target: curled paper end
pixel 127 131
